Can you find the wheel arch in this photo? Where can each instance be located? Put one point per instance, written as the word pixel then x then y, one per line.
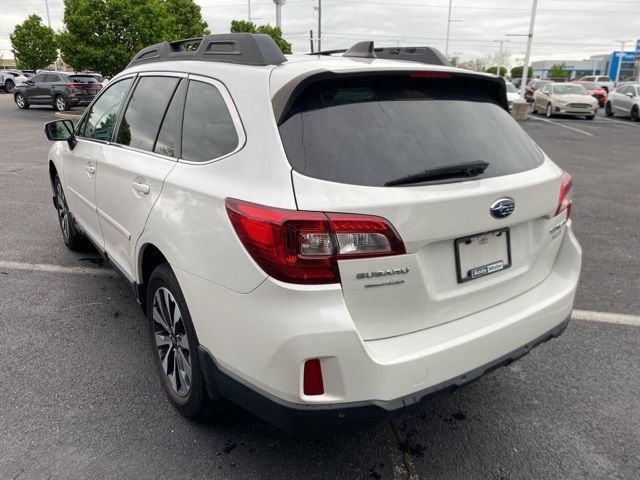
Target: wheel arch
pixel 149 257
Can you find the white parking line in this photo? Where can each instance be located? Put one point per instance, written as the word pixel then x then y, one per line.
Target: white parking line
pixel 606 317
pixel 586 315
pixel 45 267
pixel 629 123
pixel 561 125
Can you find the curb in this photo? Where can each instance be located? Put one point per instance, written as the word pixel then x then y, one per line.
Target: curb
pixel 69 116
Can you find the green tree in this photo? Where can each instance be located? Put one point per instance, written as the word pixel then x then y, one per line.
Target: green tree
pixel 187 19
pixel 33 44
pixel 516 72
pixel 244 26
pixel 103 35
pixel 503 70
pixel 557 71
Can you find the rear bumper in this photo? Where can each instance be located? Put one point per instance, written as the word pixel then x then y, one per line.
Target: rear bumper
pixel 327 418
pixel 254 347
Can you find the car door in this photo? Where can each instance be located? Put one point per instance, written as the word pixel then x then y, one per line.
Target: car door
pixel 33 91
pixel 48 86
pixel 133 168
pixel 81 164
pixel 621 102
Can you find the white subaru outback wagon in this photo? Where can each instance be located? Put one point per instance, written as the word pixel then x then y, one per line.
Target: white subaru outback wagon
pixel 323 240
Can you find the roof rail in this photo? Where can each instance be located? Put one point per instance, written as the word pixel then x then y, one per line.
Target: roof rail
pixel 238 48
pixel 428 55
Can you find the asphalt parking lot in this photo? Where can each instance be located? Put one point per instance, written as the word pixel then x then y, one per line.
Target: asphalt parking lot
pixel 80 398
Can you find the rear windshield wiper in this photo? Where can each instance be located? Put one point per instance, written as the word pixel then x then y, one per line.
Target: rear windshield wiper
pixel 464 169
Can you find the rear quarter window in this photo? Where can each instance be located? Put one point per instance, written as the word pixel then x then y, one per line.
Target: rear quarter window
pixel 372 131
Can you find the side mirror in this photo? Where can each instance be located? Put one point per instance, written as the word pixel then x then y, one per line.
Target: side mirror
pixel 60 130
pixel 629 94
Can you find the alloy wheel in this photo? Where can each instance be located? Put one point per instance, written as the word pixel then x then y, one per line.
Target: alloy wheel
pixel 549 110
pixel 63 210
pixel 171 341
pixel 20 101
pixel 61 104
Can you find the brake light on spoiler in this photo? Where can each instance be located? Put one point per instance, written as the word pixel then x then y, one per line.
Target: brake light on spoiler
pixel 304 247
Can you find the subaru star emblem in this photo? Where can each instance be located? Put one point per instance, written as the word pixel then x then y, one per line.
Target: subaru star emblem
pixel 502 207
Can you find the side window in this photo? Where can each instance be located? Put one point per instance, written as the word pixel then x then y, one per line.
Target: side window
pixel 48 78
pixel 168 142
pixel 605 79
pixel 144 113
pixel 208 131
pixel 623 90
pixel 39 78
pixel 99 122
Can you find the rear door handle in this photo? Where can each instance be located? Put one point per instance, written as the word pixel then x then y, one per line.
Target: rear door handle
pixel 141 187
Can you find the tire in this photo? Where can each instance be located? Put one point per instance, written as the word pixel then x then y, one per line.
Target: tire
pixel 73 239
pixel 533 107
pixel 635 116
pixel 21 101
pixel 607 109
pixel 9 86
pixel 175 345
pixel 60 103
pixel 549 111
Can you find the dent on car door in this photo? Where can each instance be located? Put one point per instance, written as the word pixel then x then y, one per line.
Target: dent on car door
pixel 82 163
pixel 133 170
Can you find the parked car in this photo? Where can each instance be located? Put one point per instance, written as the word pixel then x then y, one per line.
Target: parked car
pixel 624 101
pixel 564 99
pixel 533 85
pixel 595 90
pixel 58 89
pixel 604 81
pixel 283 261
pixel 28 73
pixel 512 94
pixel 10 78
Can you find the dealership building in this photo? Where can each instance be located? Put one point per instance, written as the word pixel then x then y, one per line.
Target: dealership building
pixel 605 64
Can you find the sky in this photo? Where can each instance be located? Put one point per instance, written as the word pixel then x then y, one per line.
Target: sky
pixel 564 29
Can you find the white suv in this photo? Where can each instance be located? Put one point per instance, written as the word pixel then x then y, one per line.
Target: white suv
pixel 323 240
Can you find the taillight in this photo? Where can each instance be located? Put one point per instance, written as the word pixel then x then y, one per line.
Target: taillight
pixel 304 247
pixel 565 198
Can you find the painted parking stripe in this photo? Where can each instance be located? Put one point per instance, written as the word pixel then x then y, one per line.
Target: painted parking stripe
pixel 586 315
pixel 629 123
pixel 561 125
pixel 606 317
pixel 46 267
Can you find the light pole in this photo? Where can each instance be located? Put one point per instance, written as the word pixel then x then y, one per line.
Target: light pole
pixel 500 56
pixel 620 58
pixel 319 8
pixel 527 55
pixel 279 4
pixel 449 22
pixel 46 4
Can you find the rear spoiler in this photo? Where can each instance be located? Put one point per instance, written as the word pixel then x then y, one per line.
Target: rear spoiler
pixel 489 86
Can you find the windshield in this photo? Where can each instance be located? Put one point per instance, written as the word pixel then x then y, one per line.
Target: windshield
pixel 511 88
pixel 372 131
pixel 591 86
pixel 569 90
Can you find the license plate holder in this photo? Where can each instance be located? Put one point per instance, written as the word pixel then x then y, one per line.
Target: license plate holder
pixel 482 254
